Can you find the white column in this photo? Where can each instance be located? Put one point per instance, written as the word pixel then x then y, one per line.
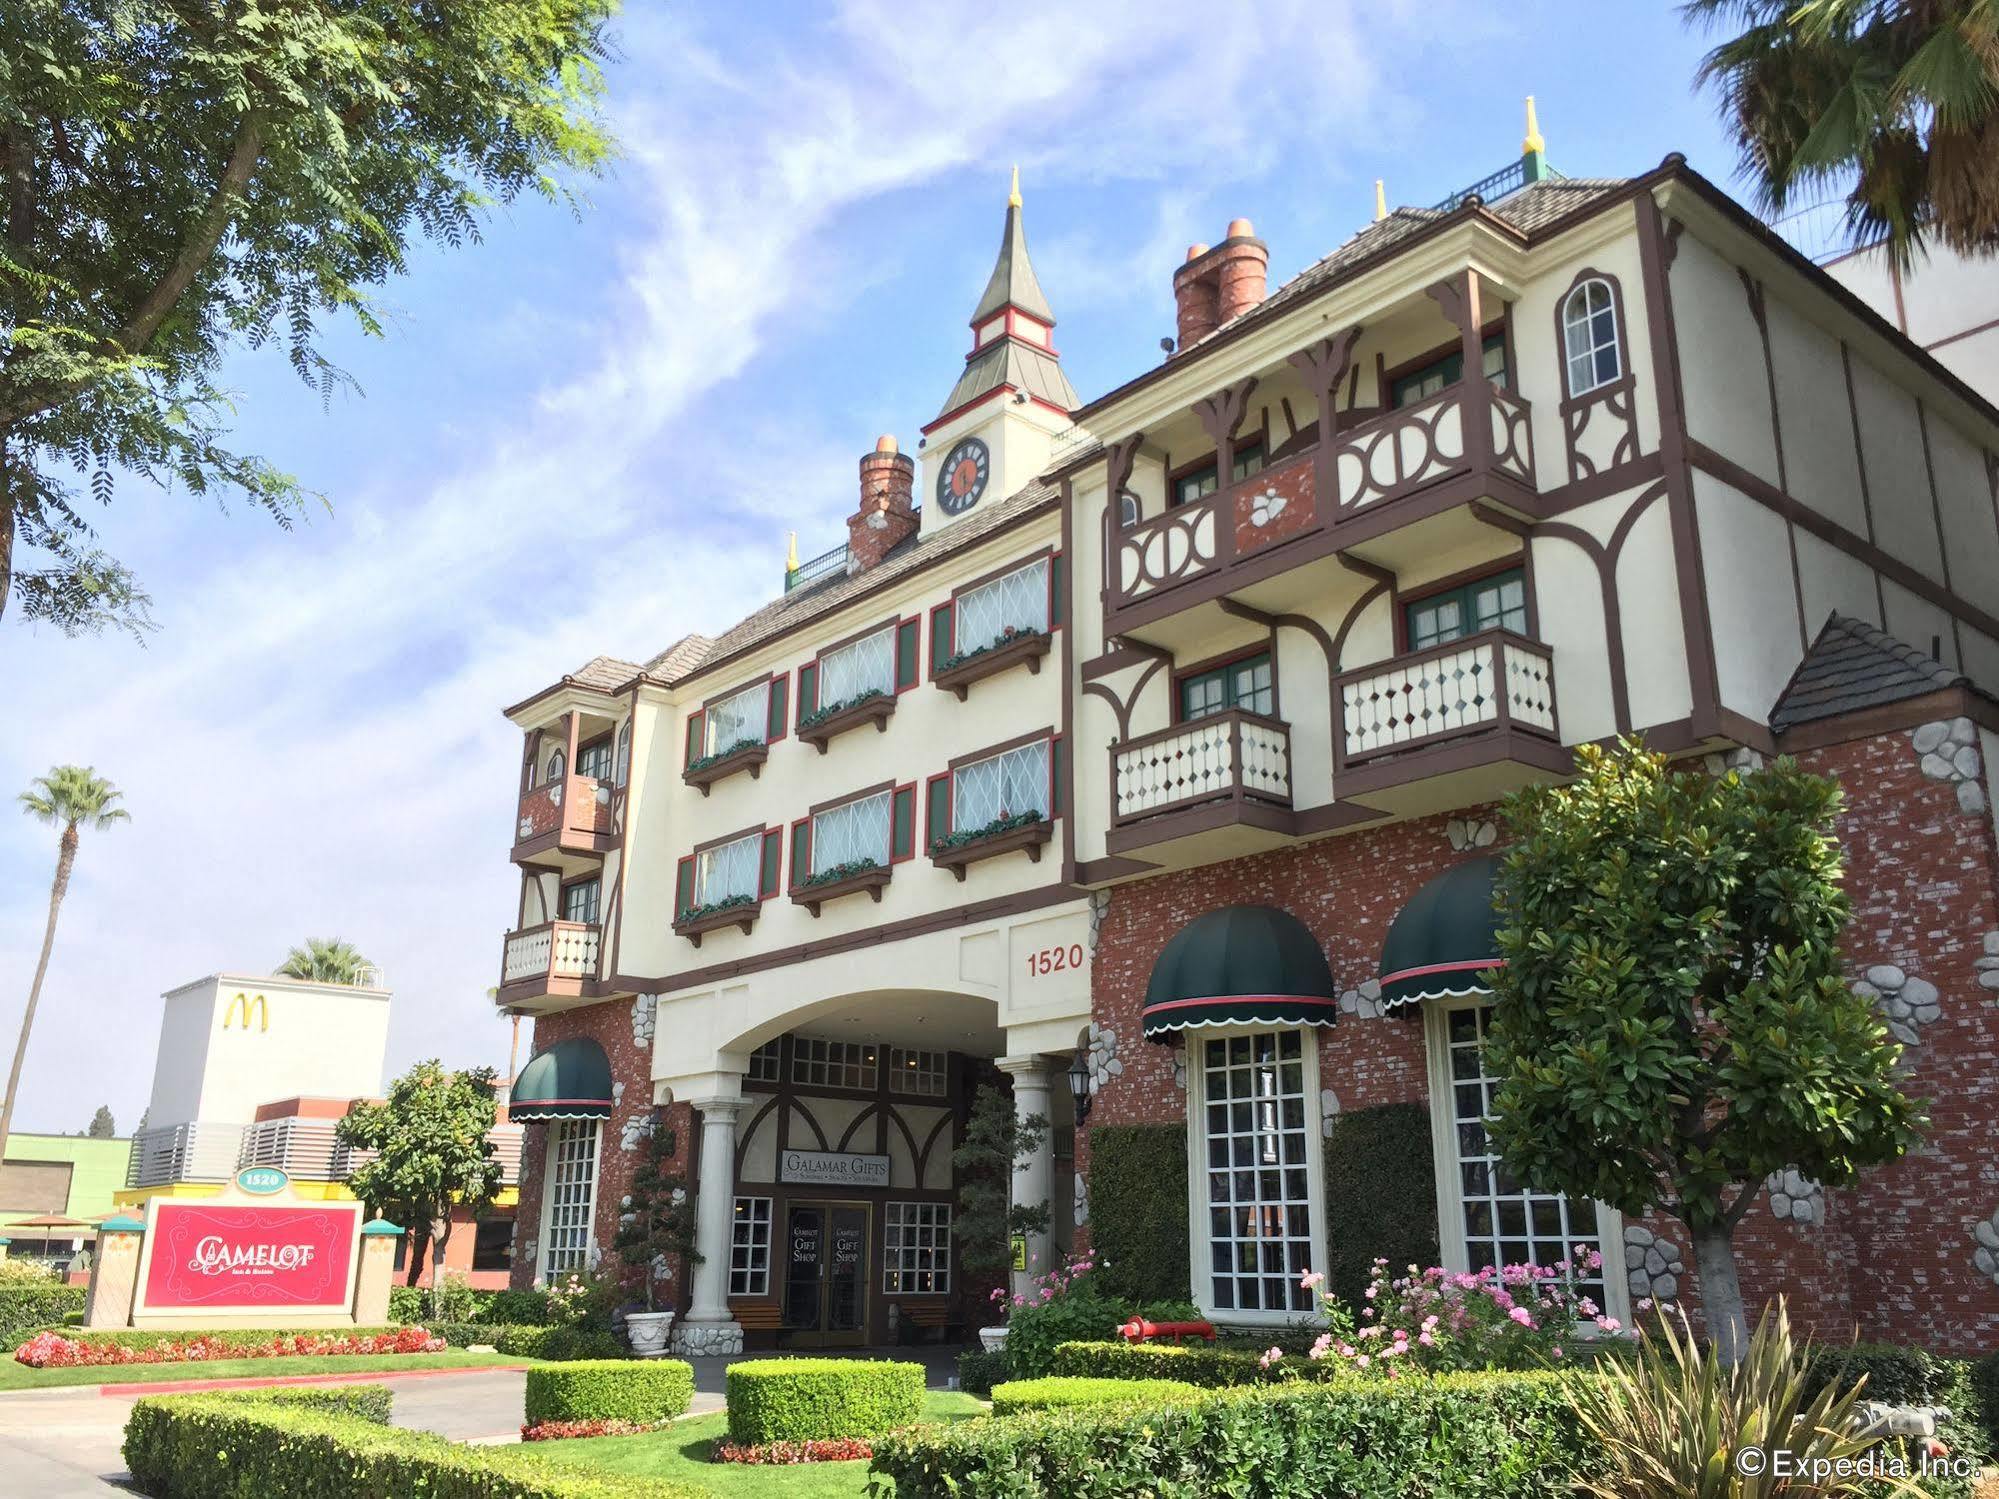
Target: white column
pixel 709 1328
pixel 1034 1174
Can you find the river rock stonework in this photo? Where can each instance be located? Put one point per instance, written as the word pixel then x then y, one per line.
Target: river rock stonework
pixel 1652 1265
pixel 1947 751
pixel 1796 1198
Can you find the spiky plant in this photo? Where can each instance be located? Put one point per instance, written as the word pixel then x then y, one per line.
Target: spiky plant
pixel 326 960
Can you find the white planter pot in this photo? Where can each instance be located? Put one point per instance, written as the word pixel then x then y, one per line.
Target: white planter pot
pixel 992 1339
pixel 647 1331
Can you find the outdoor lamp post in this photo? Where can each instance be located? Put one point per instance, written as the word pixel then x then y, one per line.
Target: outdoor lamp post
pixel 1079 1086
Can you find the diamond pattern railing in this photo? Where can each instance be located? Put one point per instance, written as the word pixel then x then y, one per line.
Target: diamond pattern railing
pixel 1482 681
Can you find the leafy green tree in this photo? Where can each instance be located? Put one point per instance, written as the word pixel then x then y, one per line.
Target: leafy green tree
pixel 996 1140
pixel 1899 100
pixel 1672 1024
pixel 77 797
pixel 102 1125
pixel 432 1154
pixel 658 1226
pixel 186 176
pixel 326 960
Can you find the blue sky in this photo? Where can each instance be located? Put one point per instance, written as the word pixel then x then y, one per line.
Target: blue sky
pixel 591 434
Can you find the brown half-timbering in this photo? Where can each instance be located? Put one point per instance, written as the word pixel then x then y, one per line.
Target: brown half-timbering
pixel 1759 313
pixel 1614 404
pixel 1220 414
pixel 1866 494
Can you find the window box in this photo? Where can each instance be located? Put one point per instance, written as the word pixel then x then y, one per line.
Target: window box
pixel 747 754
pixel 957 852
pixel 822 726
pixel 841 880
pixel 959 672
pixel 738 911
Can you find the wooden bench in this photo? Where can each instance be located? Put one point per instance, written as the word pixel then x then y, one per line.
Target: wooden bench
pixel 757 1316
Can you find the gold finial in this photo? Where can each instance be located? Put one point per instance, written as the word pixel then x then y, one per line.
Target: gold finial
pixel 1380 201
pixel 1013 196
pixel 791 554
pixel 1533 142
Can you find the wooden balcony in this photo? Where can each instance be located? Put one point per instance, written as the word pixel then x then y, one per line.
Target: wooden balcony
pixel 1214 789
pixel 570 815
pixel 555 961
pixel 1453 724
pixel 1377 475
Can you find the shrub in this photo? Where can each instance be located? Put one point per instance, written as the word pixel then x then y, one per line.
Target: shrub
pixel 1911 1376
pixel 409 1304
pixel 1199 1364
pixel 557 1343
pixel 26 1306
pixel 1069 1305
pixel 979 1371
pixel 1055 1392
pixel 636 1390
pixel 807 1399
pixel 1471 1436
pixel 1983 1380
pixel 518 1308
pixel 1379 1172
pixel 1138 1232
pixel 360 1402
pixel 225 1446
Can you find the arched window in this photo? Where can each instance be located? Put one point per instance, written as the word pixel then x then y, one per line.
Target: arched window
pixel 624 762
pixel 1130 510
pixel 1590 344
pixel 557 764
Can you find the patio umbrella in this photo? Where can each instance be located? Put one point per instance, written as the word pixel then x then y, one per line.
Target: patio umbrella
pixel 48 1220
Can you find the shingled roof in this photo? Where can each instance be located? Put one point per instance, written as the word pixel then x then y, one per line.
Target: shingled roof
pixel 1852 665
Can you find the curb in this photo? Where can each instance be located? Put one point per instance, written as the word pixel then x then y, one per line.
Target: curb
pixel 252 1382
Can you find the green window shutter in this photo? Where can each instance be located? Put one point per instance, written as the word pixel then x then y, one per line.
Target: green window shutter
pixel 907 661
pixel 940 808
pixel 684 886
pixel 1058 590
pixel 808 688
pixel 902 823
pixel 941 619
pixel 767 879
pixel 1058 772
pixel 693 739
pixel 780 703
pixel 801 850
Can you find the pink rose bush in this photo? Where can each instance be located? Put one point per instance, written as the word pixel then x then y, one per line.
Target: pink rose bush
pixel 51 1350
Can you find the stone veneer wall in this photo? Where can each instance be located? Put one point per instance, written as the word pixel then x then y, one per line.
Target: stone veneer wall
pixel 624 1028
pixel 1910 1254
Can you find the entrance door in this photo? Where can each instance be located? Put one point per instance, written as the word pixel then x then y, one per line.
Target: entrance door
pixel 826 1274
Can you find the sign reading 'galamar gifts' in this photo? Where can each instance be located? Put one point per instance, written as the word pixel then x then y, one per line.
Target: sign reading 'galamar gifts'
pixel 220 1256
pixel 833 1168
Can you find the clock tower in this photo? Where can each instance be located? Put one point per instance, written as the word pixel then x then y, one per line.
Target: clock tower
pixel 998 426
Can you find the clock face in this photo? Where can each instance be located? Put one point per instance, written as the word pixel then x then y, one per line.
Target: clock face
pixel 963 478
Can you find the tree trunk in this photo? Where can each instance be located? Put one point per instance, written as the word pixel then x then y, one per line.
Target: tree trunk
pixel 65 860
pixel 419 1242
pixel 1721 1292
pixel 440 1235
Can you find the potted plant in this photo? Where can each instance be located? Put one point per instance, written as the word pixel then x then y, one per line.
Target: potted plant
pixel 657 1226
pixel 987 1218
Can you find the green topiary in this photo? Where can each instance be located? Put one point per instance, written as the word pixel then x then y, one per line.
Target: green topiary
pixel 1138 1233
pixel 812 1399
pixel 28 1307
pixel 1021 1395
pixel 1378 1172
pixel 1202 1364
pixel 638 1390
pixel 979 1371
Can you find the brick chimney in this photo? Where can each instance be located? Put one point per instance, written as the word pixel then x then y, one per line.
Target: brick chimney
pixel 1217 284
pixel 887 513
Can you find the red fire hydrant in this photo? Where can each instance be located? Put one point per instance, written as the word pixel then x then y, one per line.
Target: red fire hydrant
pixel 1138 1330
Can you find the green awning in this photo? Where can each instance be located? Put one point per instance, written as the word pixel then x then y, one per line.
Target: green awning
pixel 1442 942
pixel 569 1080
pixel 1241 963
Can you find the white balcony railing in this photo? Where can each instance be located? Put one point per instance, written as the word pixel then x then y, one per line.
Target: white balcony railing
pixel 555 949
pixel 1490 680
pixel 1228 756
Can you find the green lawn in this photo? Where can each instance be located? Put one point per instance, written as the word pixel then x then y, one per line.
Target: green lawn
pixel 681 1452
pixel 18 1376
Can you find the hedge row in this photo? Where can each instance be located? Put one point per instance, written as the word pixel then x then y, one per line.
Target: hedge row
pixel 1379 1171
pixel 1472 1436
pixel 529 1308
pixel 1200 1364
pixel 556 1343
pixel 1137 1232
pixel 226 1447
pixel 640 1391
pixel 1055 1393
pixel 979 1371
pixel 811 1399
pixel 26 1309
pixel 371 1403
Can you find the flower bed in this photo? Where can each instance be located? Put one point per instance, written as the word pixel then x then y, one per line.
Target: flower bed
pixel 51 1350
pixel 818 1450
pixel 601 1426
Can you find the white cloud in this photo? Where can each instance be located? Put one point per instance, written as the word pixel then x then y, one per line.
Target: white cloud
pixel 312 744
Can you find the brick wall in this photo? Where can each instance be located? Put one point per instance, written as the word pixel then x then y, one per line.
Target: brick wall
pixel 1890 1257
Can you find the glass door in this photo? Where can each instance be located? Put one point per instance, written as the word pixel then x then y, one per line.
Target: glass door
pixel 826 1274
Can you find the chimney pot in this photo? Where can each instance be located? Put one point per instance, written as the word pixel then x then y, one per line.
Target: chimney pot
pixel 885 443
pixel 1240 229
pixel 1195 252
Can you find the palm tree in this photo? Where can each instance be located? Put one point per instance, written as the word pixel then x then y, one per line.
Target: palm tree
pixel 77 797
pixel 327 960
pixel 1900 98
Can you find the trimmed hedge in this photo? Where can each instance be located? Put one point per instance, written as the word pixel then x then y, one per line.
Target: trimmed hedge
pixel 529 1308
pixel 1199 1364
pixel 1021 1395
pixel 226 1447
pixel 1471 1436
pixel 642 1391
pixel 360 1402
pixel 810 1399
pixel 1035 1331
pixel 1379 1172
pixel 553 1343
pixel 979 1371
pixel 1137 1232
pixel 26 1309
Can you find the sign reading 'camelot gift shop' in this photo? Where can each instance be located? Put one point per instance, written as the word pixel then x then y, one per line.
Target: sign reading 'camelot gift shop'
pixel 253 1249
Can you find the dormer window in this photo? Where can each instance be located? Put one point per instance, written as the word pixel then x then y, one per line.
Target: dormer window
pixel 1590 344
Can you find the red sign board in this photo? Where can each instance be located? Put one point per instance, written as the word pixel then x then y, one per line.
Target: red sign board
pixel 212 1255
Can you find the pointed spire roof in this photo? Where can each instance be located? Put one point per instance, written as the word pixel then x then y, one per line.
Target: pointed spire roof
pixel 1012 282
